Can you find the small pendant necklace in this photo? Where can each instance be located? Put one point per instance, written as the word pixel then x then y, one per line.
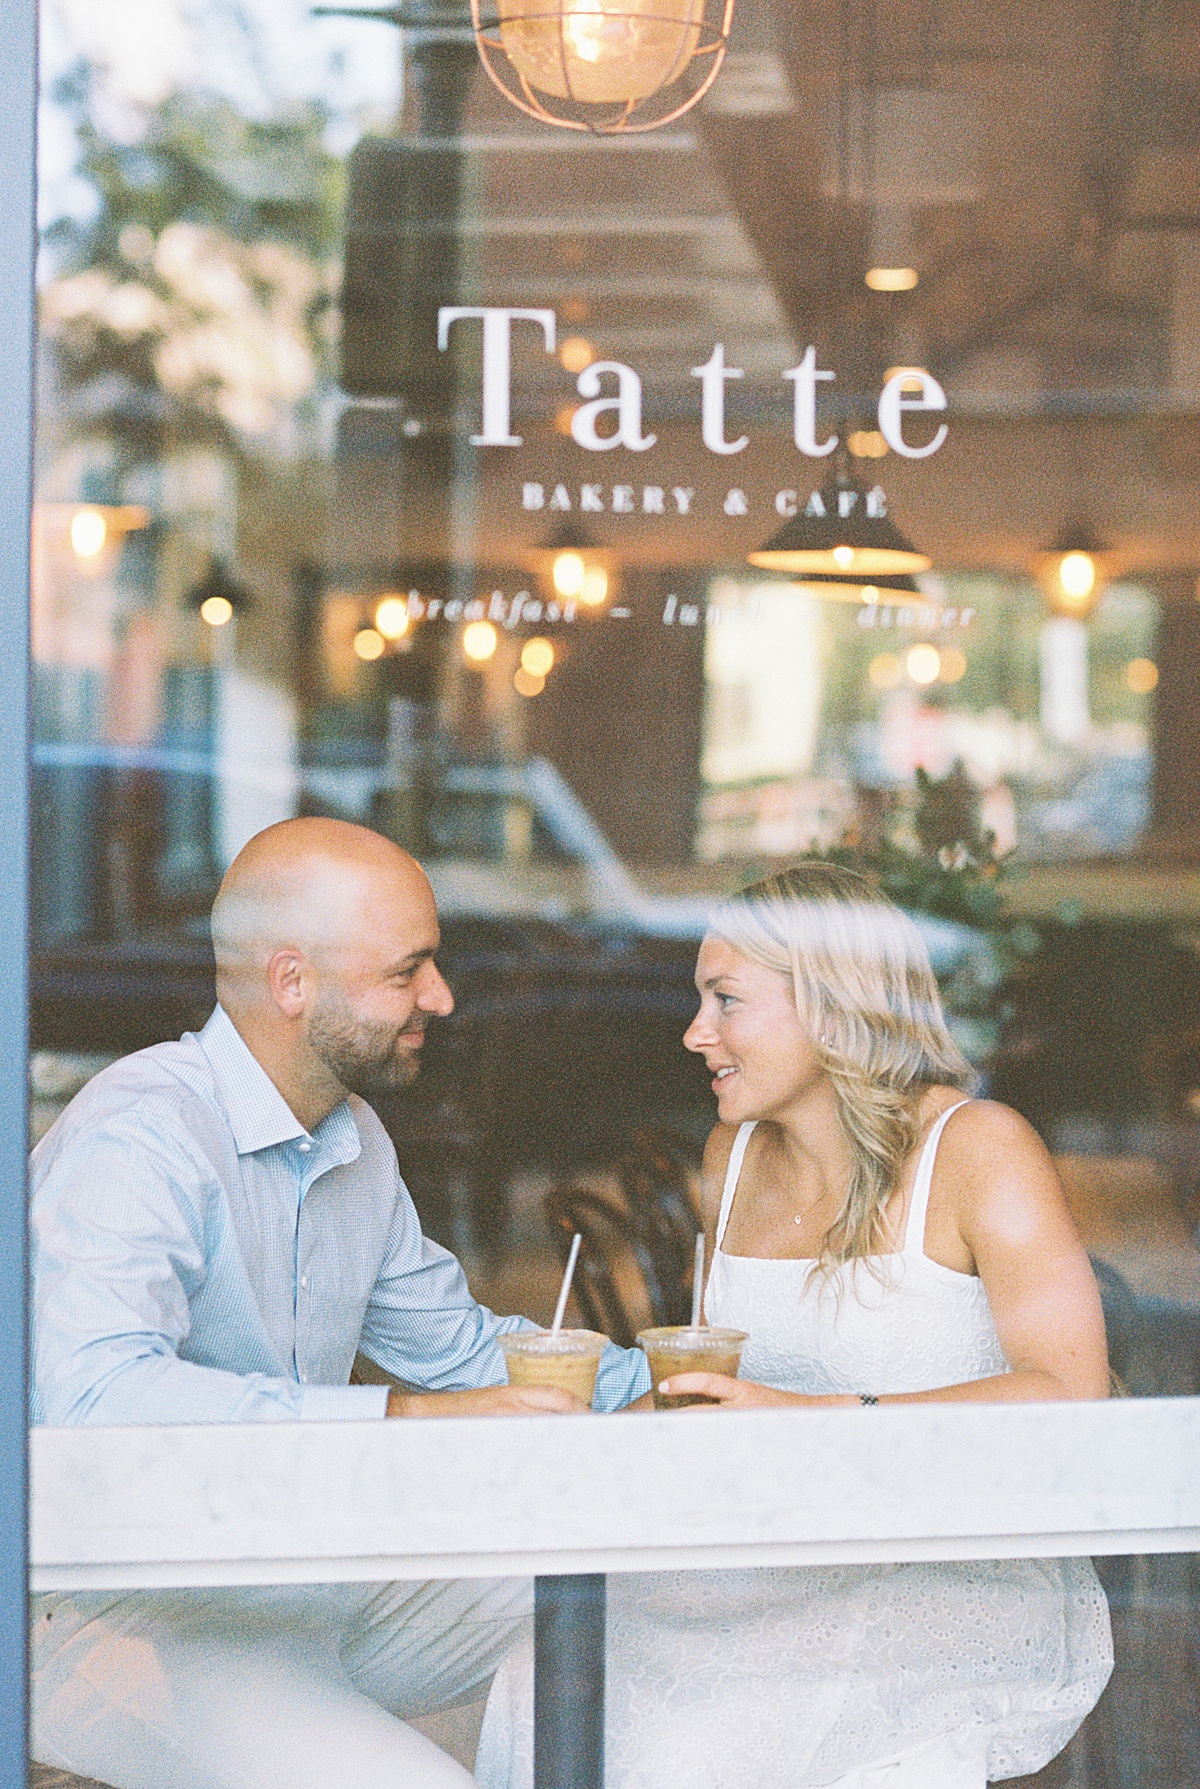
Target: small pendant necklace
pixel 802 1215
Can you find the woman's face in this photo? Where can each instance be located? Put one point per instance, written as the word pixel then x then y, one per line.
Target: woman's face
pixel 750 1035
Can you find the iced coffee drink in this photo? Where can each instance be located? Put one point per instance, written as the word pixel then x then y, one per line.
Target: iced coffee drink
pixel 567 1360
pixel 682 1349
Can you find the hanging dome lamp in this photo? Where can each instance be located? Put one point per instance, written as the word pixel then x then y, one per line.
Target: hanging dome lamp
pixel 574 567
pixel 218 596
pixel 843 546
pixel 895 589
pixel 1075 571
pixel 606 66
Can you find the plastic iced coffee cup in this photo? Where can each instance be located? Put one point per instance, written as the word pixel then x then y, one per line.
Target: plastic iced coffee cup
pixel 568 1360
pixel 682 1349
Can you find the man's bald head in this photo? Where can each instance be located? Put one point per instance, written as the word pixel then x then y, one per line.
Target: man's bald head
pixel 312 886
pixel 325 935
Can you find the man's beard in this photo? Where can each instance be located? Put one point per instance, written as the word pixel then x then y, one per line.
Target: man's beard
pixel 363 1057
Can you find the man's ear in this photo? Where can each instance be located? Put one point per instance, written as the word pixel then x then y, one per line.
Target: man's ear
pixel 288 980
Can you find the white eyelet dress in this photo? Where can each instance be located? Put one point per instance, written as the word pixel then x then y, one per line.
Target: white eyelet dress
pixel 938 1675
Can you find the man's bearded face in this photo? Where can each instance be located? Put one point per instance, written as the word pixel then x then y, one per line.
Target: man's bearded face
pixel 366 1056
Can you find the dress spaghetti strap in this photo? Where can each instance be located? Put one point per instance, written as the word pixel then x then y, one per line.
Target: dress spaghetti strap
pixel 736 1157
pixel 914 1230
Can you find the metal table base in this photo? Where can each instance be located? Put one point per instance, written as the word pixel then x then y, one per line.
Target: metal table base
pixel 568 1681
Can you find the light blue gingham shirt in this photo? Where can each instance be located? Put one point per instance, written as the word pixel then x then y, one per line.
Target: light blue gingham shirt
pixel 198 1256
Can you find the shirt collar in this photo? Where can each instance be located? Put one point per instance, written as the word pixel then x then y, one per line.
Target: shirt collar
pixel 338 1136
pixel 258 1114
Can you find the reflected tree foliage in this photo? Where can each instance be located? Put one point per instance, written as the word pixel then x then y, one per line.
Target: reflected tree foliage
pixel 197 304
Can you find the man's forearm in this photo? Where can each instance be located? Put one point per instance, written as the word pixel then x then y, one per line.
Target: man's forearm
pixel 156 1387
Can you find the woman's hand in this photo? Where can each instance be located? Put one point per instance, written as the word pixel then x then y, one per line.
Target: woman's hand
pixel 736 1394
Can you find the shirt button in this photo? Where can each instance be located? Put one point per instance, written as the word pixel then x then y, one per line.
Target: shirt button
pixel 306 1146
pixel 304 1279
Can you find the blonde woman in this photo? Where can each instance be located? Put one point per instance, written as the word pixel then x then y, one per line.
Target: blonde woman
pixel 884 1239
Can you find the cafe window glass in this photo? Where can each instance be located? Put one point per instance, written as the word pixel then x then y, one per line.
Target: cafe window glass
pixel 411 457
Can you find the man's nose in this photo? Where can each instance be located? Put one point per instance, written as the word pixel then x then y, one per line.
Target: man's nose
pixel 434 995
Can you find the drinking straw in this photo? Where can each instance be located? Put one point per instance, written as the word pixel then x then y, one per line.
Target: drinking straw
pixel 561 1306
pixel 698 1281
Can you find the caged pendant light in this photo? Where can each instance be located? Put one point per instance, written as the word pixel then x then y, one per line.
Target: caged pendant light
pixel 606 66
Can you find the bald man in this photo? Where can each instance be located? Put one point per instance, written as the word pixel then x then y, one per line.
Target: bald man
pixel 219 1226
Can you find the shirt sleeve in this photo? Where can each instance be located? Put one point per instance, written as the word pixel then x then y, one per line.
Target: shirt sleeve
pixel 118 1233
pixel 423 1325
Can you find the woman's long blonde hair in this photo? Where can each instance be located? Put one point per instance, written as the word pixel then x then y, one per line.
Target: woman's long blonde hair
pixel 867 998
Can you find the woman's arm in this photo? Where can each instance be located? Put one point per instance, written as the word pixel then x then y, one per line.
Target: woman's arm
pixel 1008 1206
pixel 998 1206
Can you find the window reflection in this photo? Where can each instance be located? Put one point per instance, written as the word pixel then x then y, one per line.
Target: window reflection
pixel 274 574
pixel 489 590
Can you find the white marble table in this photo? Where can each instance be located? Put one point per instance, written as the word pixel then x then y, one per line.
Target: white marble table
pixel 571 1498
pixel 296 1503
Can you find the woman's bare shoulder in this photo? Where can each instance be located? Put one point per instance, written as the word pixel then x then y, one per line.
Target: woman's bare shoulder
pixel 998 1167
pixel 714 1167
pixel 986 1132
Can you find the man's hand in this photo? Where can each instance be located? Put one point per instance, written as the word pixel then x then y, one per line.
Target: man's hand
pixel 492 1400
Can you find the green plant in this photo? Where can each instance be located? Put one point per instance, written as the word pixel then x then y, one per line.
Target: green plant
pixel 951 870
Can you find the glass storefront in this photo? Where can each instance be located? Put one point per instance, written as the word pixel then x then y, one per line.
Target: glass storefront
pixel 405 458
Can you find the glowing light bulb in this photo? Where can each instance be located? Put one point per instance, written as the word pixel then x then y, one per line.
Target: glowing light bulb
pixel 479 641
pixel 891 279
pixel 537 657
pixel 594 588
pixel 1141 676
pixel 913 380
pixel 526 684
pixel 885 671
pixel 1077 576
pixel 953 667
pixel 843 558
pixel 568 573
pixel 584 35
pixel 600 51
pixel 391 618
pixel 576 353
pixel 869 593
pixel 89 531
pixel 368 644
pixel 867 444
pixel 217 611
pixel 923 663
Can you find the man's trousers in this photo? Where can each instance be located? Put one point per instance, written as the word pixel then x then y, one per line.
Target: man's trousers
pixel 295 1687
